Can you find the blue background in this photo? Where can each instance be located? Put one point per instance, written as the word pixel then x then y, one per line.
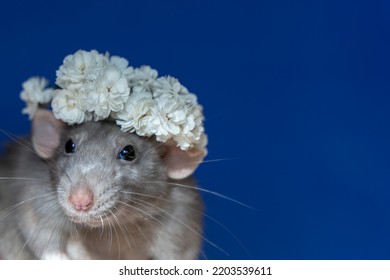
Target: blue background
pixel 296 98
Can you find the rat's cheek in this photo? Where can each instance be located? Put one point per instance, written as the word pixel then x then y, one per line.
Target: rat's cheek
pixel 62 192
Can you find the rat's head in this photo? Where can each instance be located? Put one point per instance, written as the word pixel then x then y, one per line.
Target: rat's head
pixel 103 173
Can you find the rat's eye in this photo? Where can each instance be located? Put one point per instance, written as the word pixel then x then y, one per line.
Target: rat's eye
pixel 127 153
pixel 70 147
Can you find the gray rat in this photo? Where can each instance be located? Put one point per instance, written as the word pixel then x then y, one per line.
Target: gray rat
pixel 91 191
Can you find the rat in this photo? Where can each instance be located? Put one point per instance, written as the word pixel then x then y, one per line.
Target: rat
pixel 92 191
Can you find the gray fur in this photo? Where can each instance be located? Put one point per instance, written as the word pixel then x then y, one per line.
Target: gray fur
pixel 138 213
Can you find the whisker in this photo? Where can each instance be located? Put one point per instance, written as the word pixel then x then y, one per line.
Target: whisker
pixel 187 226
pixel 117 236
pixel 210 192
pixel 213 160
pixel 27 145
pixel 147 239
pixel 24 179
pixel 102 227
pixel 153 211
pixel 126 229
pixel 29 239
pixel 73 229
pixel 54 230
pixel 10 209
pixel 123 228
pixel 139 210
pixel 16 140
pixel 22 140
pixel 232 234
pixel 109 232
pixel 200 212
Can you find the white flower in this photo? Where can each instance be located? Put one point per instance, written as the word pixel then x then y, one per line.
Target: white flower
pixel 192 129
pixel 168 85
pixel 110 93
pixel 35 92
pixel 80 70
pixel 96 87
pixel 142 75
pixel 30 109
pixel 136 115
pixel 164 108
pixel 169 116
pixel 66 107
pixel 122 64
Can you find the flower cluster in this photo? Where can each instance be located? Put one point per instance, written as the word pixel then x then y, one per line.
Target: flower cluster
pixel 34 93
pixel 94 86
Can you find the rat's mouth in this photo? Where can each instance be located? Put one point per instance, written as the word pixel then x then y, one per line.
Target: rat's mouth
pixel 89 221
pixel 95 217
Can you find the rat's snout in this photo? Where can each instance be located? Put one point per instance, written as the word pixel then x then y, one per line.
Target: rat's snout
pixel 81 199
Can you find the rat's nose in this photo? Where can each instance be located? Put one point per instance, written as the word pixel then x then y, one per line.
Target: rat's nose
pixel 81 199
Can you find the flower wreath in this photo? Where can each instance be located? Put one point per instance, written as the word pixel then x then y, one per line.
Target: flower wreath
pixel 92 86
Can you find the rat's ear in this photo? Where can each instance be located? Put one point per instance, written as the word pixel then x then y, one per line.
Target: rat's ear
pixel 181 164
pixel 46 133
